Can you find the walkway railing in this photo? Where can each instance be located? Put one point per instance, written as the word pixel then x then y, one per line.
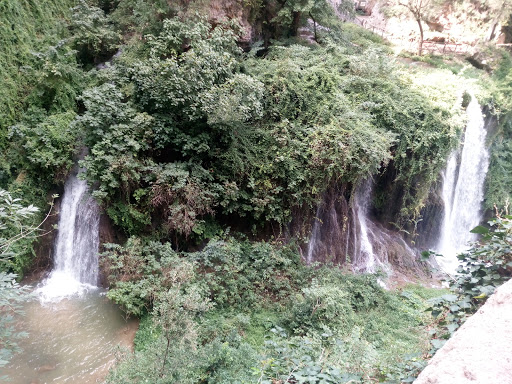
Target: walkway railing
pixel 411 44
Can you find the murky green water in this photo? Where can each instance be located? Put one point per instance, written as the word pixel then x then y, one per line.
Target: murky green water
pixel 71 341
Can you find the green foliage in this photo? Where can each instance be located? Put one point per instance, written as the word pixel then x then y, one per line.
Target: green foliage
pixel 482 268
pixel 141 17
pixel 15 226
pixel 294 14
pixel 406 371
pixel 44 140
pixel 25 27
pixel 499 86
pixel 57 79
pixel 17 232
pixel 186 127
pixel 332 302
pixel 248 275
pixel 337 327
pixel 299 360
pixel 45 144
pixel 139 274
pixel 171 92
pixel 39 84
pixel 93 35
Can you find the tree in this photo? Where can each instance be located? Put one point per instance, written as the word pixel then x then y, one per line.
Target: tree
pixel 295 13
pixel 420 10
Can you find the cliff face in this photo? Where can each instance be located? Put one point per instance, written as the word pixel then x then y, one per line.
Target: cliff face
pixel 479 352
pixel 344 230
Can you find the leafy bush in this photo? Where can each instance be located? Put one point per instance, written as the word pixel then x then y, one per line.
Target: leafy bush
pixel 93 34
pixel 25 27
pixel 140 273
pixel 297 359
pixel 482 269
pixel 46 144
pixel 338 327
pixel 248 275
pixel 187 126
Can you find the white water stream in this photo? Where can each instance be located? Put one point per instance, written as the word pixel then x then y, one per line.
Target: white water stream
pixel 463 190
pixel 365 258
pixel 76 247
pixel 315 234
pixel 73 329
pixel 354 236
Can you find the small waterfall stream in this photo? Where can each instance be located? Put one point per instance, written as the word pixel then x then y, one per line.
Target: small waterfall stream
pixel 463 190
pixel 365 258
pixel 315 233
pixel 345 232
pixel 76 247
pixel 73 329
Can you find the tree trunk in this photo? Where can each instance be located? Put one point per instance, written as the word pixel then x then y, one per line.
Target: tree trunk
pixel 168 337
pixel 493 31
pixel 294 28
pixel 420 46
pixel 314 27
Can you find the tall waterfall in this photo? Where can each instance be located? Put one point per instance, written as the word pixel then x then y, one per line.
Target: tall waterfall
pixel 463 190
pixel 76 247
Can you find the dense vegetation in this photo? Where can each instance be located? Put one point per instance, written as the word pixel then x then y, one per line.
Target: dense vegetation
pixel 498 182
pixel 202 153
pixel 251 312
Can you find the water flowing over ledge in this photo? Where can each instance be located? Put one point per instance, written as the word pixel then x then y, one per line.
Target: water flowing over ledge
pixel 463 190
pixel 76 248
pixel 344 231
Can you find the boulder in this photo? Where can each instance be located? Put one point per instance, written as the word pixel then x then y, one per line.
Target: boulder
pixel 480 352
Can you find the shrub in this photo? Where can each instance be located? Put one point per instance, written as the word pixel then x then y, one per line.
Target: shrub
pixel 140 273
pixel 247 275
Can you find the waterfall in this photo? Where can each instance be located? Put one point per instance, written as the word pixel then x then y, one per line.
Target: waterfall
pixel 315 234
pixel 365 258
pixel 76 248
pixel 463 190
pixel 344 232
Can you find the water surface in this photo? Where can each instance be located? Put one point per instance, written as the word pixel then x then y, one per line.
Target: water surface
pixel 71 341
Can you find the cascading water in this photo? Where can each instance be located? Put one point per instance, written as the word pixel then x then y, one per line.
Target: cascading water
pixel 463 190
pixel 73 340
pixel 344 232
pixel 76 247
pixel 365 258
pixel 315 233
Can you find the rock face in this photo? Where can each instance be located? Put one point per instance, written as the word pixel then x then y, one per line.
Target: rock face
pixel 480 352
